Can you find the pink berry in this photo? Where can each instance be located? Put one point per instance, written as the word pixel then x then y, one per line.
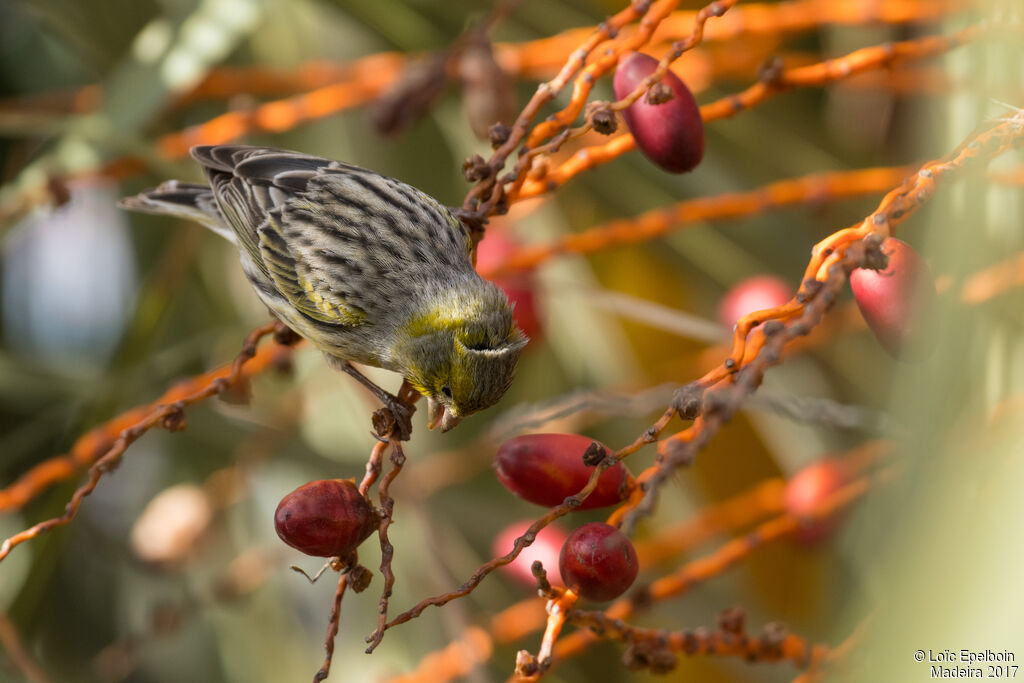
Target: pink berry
pixel 806 491
pixel 899 302
pixel 670 134
pixel 544 549
pixel 493 250
pixel 598 562
pixel 325 518
pixel 756 293
pixel 547 468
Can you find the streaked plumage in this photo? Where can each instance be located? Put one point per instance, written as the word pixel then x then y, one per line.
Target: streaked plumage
pixel 367 268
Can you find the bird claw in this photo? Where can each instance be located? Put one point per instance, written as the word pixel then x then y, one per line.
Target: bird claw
pixel 394 420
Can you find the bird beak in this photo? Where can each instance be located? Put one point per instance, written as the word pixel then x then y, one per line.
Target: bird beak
pixel 449 421
pixel 435 413
pixel 439 417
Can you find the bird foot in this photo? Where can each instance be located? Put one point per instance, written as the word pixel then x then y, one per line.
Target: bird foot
pixel 285 335
pixel 394 420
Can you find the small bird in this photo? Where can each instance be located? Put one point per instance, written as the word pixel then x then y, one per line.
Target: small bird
pixel 365 267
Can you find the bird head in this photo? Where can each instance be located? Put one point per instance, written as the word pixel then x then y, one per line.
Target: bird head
pixel 465 366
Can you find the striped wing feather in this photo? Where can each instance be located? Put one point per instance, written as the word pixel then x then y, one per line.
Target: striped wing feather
pixel 337 240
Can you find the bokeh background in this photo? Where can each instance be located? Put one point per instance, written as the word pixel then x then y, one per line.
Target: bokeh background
pixel 101 311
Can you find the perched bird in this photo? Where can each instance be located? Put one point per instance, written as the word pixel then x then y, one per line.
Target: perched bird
pixel 365 267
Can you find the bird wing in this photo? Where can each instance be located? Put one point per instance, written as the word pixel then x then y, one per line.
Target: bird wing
pixel 183 200
pixel 337 240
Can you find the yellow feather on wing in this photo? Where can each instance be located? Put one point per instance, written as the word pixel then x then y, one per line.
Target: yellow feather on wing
pixel 300 291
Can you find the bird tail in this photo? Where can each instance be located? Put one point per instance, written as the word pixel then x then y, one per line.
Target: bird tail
pixel 183 200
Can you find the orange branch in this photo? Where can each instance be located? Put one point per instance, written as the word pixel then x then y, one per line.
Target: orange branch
pixel 528 58
pixel 656 649
pixel 754 350
pixel 815 188
pixel 831 70
pixel 704 568
pixel 544 56
pixel 814 75
pixel 834 256
pixel 371 76
pixel 606 62
pixel 822 665
pixel 91 446
pixel 714 564
pixel 335 87
pixel 729 516
pixel 548 136
pixel 333 624
pixel 104 446
pixel 226 82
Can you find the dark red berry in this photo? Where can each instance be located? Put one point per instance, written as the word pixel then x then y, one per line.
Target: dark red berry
pixel 547 468
pixel 545 548
pixel 670 134
pixel 519 288
pixel 806 491
pixel 756 293
pixel 325 518
pixel 899 302
pixel 598 562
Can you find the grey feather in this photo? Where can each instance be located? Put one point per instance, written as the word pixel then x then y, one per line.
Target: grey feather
pixel 368 268
pixel 183 200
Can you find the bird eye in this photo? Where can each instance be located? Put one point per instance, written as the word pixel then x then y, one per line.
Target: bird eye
pixel 447 391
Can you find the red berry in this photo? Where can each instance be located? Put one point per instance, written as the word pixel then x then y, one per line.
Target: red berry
pixel 493 250
pixel 545 549
pixel 547 468
pixel 670 134
pixel 325 518
pixel 598 562
pixel 899 302
pixel 806 491
pixel 756 293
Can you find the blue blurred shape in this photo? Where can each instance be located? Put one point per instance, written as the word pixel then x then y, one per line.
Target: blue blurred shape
pixel 69 280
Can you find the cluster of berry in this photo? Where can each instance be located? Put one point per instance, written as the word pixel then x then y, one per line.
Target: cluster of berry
pixel 330 518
